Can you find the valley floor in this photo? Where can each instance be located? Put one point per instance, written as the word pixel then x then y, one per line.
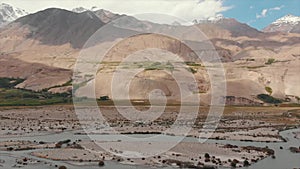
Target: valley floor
pixel 55 133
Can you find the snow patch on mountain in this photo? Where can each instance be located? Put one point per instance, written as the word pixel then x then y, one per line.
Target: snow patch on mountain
pixel 104 15
pixel 288 19
pixel 82 9
pixel 79 10
pixel 286 24
pixel 9 13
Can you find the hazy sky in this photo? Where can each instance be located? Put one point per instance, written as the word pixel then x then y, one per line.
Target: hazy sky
pixel 257 13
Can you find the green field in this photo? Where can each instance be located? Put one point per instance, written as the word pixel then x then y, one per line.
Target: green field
pixel 11 96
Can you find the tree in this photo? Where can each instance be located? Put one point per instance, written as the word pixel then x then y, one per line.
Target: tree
pixel 269 90
pixel 104 98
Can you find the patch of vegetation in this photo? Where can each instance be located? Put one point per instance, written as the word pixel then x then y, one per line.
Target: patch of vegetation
pixel 269 90
pixel 250 60
pixel 103 98
pixel 233 164
pixel 148 65
pixel 206 155
pixel 22 97
pixel 268 99
pixel 270 61
pixel 246 163
pixel 192 70
pixel 170 67
pixel 154 66
pixel 10 96
pixel 159 66
pixel 192 64
pixel 10 82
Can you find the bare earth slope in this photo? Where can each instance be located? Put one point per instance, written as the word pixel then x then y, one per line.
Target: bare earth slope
pixel 37 76
pixel 53 38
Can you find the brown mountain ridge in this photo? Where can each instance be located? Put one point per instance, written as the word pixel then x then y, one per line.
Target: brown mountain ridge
pixel 253 60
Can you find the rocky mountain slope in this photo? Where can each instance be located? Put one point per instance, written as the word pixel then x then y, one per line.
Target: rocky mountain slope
pixel 236 28
pixel 57 27
pixel 254 61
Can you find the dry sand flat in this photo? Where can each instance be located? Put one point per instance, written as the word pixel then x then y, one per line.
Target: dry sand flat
pixel 185 152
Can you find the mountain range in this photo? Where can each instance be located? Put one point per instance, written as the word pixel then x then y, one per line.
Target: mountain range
pixel 53 38
pixel 288 23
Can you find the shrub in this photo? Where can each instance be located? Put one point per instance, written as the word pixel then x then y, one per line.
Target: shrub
pixel 104 98
pixel 233 164
pixel 192 70
pixel 62 167
pixel 269 90
pixel 246 163
pixel 170 67
pixel 270 61
pixel 206 155
pixel 192 64
pixel 160 66
pixel 154 66
pixel 101 163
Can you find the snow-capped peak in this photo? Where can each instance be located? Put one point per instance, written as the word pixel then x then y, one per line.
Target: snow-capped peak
pixel 104 15
pixel 79 10
pixel 82 9
pixel 9 13
pixel 288 19
pixel 95 8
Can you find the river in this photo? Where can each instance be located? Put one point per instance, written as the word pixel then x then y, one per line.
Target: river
pixel 284 158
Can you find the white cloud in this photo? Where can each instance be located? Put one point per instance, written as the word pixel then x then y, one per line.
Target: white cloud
pixel 264 12
pixel 185 9
pixel 277 8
